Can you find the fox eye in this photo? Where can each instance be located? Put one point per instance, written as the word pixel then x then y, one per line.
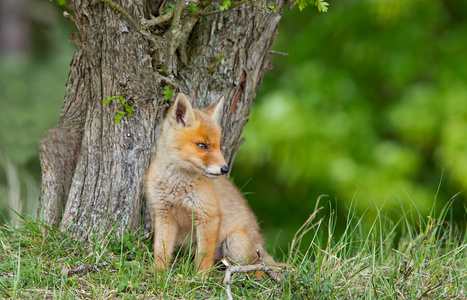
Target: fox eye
pixel 203 146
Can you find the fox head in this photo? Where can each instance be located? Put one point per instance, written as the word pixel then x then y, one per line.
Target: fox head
pixel 192 137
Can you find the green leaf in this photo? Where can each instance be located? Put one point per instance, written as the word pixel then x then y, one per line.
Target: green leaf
pixel 118 118
pixel 129 109
pixel 321 5
pixel 118 98
pixel 171 6
pixel 121 112
pixel 301 4
pixel 272 7
pixel 107 100
pixel 122 285
pixel 168 93
pixel 220 58
pixel 193 8
pixel 60 2
pixel 225 5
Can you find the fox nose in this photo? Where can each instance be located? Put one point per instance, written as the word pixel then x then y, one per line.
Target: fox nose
pixel 224 169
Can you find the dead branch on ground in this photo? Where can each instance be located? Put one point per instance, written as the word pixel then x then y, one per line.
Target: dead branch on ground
pixel 83 269
pixel 262 266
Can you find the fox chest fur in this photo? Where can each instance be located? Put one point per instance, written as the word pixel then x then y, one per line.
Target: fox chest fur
pixel 184 195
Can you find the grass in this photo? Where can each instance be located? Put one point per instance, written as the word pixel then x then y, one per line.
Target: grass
pixel 18 191
pixel 388 260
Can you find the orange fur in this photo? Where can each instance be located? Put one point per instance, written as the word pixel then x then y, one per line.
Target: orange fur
pixel 186 189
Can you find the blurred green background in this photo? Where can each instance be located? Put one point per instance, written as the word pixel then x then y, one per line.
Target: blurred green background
pixel 369 107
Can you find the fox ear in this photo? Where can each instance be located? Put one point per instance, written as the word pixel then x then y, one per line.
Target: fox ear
pixel 182 111
pixel 216 110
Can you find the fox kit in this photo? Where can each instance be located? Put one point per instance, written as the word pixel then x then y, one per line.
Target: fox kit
pixel 186 191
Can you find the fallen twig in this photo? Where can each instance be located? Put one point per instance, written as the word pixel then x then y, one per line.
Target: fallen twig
pixel 262 266
pixel 85 269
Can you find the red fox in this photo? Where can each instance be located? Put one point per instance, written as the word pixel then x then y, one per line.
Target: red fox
pixel 186 190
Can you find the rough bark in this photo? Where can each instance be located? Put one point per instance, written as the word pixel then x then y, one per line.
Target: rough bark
pixel 93 168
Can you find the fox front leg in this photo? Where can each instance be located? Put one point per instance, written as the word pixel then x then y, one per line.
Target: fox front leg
pixel 165 231
pixel 207 234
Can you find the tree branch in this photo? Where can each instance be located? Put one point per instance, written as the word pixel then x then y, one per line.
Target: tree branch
pixel 279 53
pixel 160 19
pixel 69 17
pixel 215 12
pixel 262 266
pixel 161 8
pixel 182 36
pixel 130 19
pixel 123 12
pixel 172 33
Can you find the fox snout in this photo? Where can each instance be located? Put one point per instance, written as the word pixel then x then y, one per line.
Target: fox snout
pixel 213 171
pixel 224 169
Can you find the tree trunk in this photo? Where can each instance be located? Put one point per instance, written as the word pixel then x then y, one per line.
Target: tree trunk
pixel 93 168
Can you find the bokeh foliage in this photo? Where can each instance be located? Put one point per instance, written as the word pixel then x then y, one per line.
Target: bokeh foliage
pixel 370 106
pixel 32 86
